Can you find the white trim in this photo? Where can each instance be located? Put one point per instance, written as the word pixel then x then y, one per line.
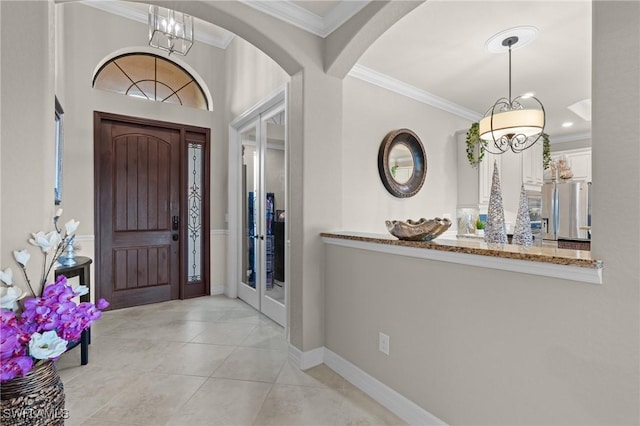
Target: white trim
pixel 249 115
pixel 306 360
pixel 213 40
pixel 290 13
pixel 126 11
pixel 404 408
pixel 570 138
pixel 306 20
pixel 219 232
pixel 567 272
pixel 382 80
pixel 340 14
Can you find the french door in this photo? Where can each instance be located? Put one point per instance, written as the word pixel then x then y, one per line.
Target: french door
pixel 261 211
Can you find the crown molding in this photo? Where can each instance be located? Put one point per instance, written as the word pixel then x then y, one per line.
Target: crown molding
pixel 340 14
pixel 302 18
pixel 126 11
pixel 290 13
pixel 570 138
pixel 382 80
pixel 285 11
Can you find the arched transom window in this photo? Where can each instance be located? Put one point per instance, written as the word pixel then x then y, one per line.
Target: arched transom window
pixel 147 76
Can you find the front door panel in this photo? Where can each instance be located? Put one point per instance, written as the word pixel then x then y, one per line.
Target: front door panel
pixel 139 198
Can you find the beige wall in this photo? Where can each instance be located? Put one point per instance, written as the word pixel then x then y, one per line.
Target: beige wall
pixel 480 346
pixel 251 77
pixel 321 177
pixel 370 112
pixel 27 133
pixel 81 50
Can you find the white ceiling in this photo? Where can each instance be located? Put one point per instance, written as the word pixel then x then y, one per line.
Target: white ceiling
pixel 443 54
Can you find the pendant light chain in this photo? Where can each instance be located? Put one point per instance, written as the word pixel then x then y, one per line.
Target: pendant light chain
pixel 510 98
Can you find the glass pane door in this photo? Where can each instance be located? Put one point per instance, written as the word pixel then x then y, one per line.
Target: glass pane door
pixel 273 295
pixel 250 172
pixel 261 219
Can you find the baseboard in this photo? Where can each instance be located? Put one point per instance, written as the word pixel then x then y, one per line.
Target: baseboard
pixel 306 360
pixel 383 394
pixel 217 289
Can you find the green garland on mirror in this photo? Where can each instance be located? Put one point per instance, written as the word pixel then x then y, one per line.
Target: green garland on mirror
pixel 546 151
pixel 473 140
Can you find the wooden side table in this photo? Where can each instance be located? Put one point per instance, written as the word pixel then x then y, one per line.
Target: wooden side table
pixel 82 270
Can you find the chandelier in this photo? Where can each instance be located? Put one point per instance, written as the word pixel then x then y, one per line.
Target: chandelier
pixel 170 30
pixel 512 123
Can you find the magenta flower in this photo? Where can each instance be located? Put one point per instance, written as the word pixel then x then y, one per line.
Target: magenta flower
pixel 15 366
pixel 55 315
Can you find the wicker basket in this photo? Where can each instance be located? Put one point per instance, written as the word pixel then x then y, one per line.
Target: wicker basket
pixel 35 399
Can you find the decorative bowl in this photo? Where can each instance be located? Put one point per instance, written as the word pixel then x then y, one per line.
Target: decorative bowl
pixel 421 230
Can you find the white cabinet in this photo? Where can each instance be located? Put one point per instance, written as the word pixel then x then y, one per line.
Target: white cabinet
pixel 532 167
pixel 474 183
pixel 579 160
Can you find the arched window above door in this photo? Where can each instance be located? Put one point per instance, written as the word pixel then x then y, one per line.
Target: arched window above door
pixel 152 77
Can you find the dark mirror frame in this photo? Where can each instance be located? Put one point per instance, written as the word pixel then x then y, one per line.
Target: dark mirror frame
pixel 412 141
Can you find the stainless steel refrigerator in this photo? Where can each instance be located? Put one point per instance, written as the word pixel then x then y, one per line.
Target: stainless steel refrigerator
pixel 566 210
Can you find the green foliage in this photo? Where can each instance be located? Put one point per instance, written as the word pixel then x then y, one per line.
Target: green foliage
pixel 473 141
pixel 479 224
pixel 546 151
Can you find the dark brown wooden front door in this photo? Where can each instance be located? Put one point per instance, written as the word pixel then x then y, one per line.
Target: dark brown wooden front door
pixel 139 228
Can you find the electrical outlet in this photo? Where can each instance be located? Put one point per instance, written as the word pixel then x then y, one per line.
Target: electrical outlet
pixel 383 344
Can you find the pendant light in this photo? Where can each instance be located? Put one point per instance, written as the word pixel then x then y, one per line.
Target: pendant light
pixel 170 30
pixel 512 123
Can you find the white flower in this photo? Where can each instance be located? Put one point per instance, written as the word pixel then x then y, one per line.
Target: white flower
pixel 46 242
pixel 46 345
pixel 71 226
pixel 9 297
pixel 6 276
pixel 81 290
pixel 22 257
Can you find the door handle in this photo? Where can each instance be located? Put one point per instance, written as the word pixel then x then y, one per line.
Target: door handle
pixel 175 237
pixel 175 223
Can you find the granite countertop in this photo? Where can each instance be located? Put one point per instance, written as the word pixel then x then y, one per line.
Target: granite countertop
pixel 580 258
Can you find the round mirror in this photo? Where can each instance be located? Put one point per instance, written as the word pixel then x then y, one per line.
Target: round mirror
pixel 402 163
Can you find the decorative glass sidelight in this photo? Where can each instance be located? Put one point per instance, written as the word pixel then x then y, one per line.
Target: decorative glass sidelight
pixel 194 205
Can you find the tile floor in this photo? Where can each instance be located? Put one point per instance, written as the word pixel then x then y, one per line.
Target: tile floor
pixel 205 361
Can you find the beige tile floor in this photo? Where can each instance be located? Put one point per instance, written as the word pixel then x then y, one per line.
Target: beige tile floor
pixel 205 361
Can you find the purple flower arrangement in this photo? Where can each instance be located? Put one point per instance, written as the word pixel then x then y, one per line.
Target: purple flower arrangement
pixel 40 328
pixel 44 328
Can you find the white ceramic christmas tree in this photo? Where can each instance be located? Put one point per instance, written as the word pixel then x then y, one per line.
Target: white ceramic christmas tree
pixel 495 231
pixel 522 232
